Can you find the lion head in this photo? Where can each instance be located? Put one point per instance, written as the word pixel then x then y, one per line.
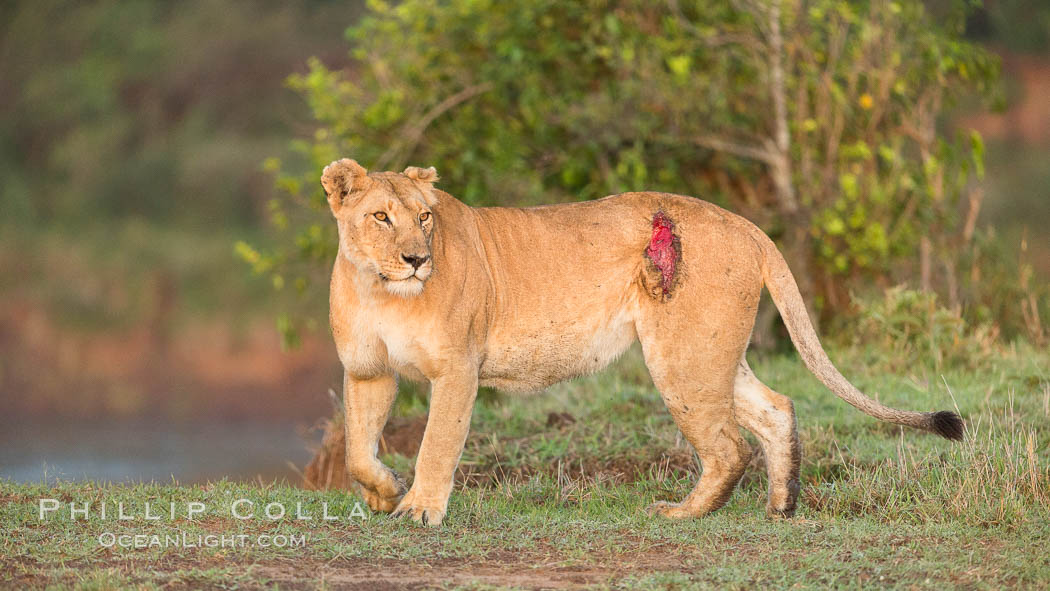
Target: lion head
pixel 385 222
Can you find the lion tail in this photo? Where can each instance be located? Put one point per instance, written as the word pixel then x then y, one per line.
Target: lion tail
pixel 784 291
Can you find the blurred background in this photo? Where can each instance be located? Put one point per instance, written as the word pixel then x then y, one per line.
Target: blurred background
pixel 164 244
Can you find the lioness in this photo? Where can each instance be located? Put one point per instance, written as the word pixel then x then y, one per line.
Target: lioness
pixel 427 288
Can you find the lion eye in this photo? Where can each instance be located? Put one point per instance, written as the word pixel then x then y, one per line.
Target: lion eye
pixel 424 216
pixel 380 216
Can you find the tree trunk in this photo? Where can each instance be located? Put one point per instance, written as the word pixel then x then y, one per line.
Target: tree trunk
pixel 796 220
pixel 925 272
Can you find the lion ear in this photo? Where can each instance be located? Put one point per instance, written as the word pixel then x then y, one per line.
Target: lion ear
pixel 424 175
pixel 339 179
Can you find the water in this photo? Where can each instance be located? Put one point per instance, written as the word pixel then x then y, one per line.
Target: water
pixel 145 452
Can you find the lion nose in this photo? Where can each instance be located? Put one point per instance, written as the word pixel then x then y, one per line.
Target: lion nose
pixel 415 260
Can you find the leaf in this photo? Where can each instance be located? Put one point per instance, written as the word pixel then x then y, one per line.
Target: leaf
pixel 848 183
pixel 977 151
pixel 679 65
pixel 834 226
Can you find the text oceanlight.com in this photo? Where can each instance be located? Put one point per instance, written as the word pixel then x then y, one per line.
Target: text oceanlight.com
pixel 183 539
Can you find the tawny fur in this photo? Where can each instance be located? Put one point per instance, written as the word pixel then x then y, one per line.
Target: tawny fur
pixel 427 288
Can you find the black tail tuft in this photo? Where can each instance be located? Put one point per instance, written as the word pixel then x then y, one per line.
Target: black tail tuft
pixel 946 424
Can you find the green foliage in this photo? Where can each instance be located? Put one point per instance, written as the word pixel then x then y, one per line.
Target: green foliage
pixel 1001 286
pixel 878 174
pixel 540 101
pixel 914 329
pixel 147 109
pixel 1020 25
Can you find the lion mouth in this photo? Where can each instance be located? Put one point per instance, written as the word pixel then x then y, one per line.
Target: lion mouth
pixel 408 286
pixel 418 275
pixel 405 287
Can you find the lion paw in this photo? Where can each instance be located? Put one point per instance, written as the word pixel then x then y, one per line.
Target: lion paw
pixel 669 510
pixel 378 502
pixel 431 516
pixel 385 497
pixel 779 514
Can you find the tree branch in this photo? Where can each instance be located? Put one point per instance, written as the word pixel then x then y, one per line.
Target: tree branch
pixel 737 149
pixel 412 134
pixel 717 40
pixel 781 134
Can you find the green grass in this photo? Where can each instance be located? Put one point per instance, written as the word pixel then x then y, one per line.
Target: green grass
pixel 563 505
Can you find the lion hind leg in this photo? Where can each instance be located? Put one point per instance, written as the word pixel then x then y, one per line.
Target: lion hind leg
pixel 701 404
pixel 723 457
pixel 770 416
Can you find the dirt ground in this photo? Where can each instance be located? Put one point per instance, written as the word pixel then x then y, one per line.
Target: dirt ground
pixel 507 571
pixel 541 569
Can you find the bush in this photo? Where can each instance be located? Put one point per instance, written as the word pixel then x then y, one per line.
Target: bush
pixel 825 134
pixel 920 331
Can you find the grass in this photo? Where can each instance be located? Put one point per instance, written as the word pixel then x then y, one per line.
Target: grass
pixel 560 502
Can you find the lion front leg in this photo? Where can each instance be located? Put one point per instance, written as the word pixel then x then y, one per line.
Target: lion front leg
pixel 367 406
pixel 451 403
